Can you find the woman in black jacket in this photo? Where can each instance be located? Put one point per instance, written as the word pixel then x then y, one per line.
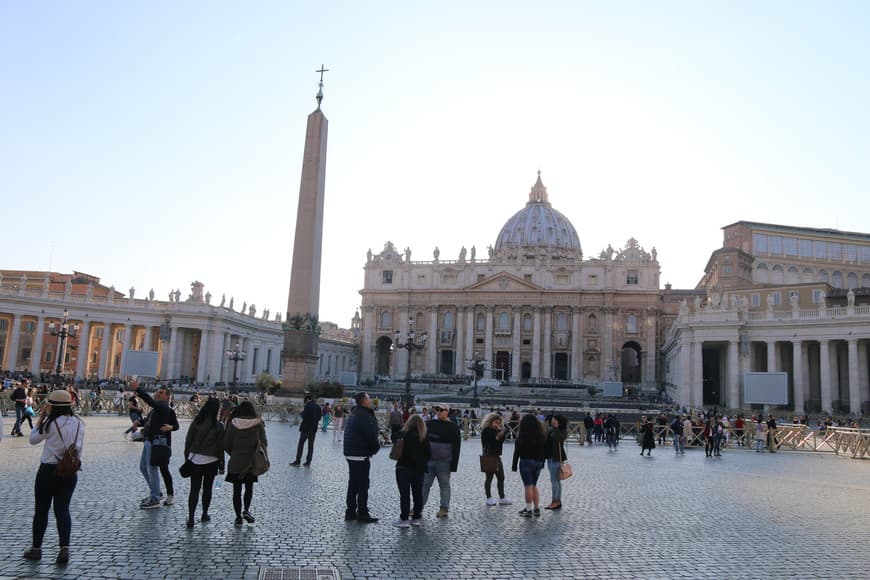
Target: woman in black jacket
pixel 410 469
pixel 556 436
pixel 530 451
pixel 492 436
pixel 204 449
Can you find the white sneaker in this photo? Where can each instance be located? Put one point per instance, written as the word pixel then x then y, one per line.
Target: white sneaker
pixel 491 501
pixel 170 499
pixel 402 524
pixel 504 501
pixel 416 522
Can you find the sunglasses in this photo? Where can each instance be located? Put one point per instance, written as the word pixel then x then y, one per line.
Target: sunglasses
pixel 439 409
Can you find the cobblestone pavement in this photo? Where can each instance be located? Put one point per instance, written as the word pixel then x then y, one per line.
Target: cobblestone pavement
pixel 747 515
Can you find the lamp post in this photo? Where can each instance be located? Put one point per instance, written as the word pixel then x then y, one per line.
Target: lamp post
pixel 412 342
pixel 236 355
pixel 63 330
pixel 477 365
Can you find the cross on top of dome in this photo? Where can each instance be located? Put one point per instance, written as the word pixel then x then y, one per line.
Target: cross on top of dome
pixel 538 194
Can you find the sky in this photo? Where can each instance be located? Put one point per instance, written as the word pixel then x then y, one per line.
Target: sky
pixel 154 143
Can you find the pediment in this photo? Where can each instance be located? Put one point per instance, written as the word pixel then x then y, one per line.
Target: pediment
pixel 503 282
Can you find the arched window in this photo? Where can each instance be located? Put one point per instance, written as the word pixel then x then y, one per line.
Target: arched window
pixel 386 319
pixel 852 280
pixel 837 281
pixel 448 321
pixel 865 280
pixel 561 321
pixel 419 323
pixel 481 322
pixel 504 321
pixel 527 323
pixel 592 326
pixel 631 324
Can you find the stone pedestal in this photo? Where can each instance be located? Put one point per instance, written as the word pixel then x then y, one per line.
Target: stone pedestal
pixel 299 361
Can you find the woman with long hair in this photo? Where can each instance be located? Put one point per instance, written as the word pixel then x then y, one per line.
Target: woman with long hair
pixel 647 436
pixel 410 469
pixel 492 435
pixel 204 449
pixel 245 430
pixel 60 429
pixel 530 451
pixel 556 436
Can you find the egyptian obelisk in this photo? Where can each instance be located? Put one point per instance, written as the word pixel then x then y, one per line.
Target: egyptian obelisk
pixel 301 329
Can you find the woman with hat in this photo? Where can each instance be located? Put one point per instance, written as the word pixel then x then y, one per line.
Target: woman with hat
pixel 59 428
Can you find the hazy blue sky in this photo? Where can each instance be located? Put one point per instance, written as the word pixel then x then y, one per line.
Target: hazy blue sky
pixel 156 143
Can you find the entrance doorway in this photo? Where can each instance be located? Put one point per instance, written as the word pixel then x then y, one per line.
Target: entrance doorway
pixel 711 373
pixel 382 347
pixel 526 371
pixel 630 362
pixel 446 367
pixel 503 362
pixel 560 366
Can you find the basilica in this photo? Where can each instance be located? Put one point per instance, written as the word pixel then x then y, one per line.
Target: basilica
pixel 534 307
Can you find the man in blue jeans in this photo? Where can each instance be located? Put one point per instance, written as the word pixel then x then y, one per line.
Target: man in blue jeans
pixel 154 434
pixel 445 442
pixel 19 397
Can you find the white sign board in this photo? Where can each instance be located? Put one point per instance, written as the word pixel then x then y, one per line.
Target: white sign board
pixel 348 378
pixel 612 388
pixel 139 363
pixel 765 388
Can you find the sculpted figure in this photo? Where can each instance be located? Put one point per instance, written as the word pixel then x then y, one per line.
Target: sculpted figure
pixel 655 254
pixel 252 311
pixel 244 306
pixel 609 252
pixel 89 293
pixel 223 299
pixel 171 296
pixel 850 298
pixel 132 293
pixel 231 302
pixel 491 251
pixel 208 297
pixel 436 253
pixel 462 253
pixel 697 303
pixel 369 255
pixel 151 294
pixel 408 254
pixel 473 253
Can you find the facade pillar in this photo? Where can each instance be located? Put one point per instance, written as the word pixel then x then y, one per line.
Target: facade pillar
pixel 84 350
pixel 576 339
pixel 149 338
pixel 36 351
pixel 649 329
pixel 433 342
pixel 14 342
pixel 536 342
pixel 733 380
pixel 685 375
pixel 227 341
pixel 369 350
pixel 607 350
pixel 863 372
pixel 202 356
pixel 516 372
pixel 771 356
pixel 401 369
pixel 172 347
pixel 469 332
pixel 698 373
pixel 825 374
pixel 459 330
pixel 548 344
pixel 488 355
pixel 854 385
pixel 798 376
pixel 126 345
pixel 105 343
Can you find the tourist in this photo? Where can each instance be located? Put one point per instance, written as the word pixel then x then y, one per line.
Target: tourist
pixel 760 434
pixel 410 470
pixel 679 439
pixel 360 444
pixel 165 473
pixel 611 432
pixel 588 426
pixel 688 431
pixel 326 417
pixel 395 420
pixel 204 449
pixel 661 423
pixel 244 433
pixel 154 435
pixel 134 411
pixel 647 439
pixel 707 434
pixel 739 425
pixel 718 437
pixel 492 435
pixel 771 433
pixel 311 413
pixel 338 424
pixel 28 408
pixel 445 440
pixel 530 451
pixel 60 429
pixel 598 427
pixel 556 436
pixel 19 397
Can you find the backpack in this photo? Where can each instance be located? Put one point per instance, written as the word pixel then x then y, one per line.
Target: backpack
pixel 70 463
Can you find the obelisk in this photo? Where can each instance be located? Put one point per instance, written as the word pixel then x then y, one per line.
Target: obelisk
pixel 301 328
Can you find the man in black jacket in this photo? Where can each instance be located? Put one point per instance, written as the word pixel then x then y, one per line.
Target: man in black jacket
pixel 360 443
pixel 19 397
pixel 445 441
pixel 154 435
pixel 307 430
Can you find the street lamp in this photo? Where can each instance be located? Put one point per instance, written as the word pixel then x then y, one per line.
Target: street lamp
pixel 412 343
pixel 477 365
pixel 236 355
pixel 63 330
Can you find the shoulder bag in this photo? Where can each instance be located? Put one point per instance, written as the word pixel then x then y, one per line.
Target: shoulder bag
pixel 70 463
pixel 397 450
pixel 565 470
pixel 490 463
pixel 260 462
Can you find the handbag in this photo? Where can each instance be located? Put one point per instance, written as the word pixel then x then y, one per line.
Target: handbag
pixel 160 454
pixel 260 462
pixel 397 450
pixel 186 469
pixel 565 470
pixel 70 463
pixel 490 463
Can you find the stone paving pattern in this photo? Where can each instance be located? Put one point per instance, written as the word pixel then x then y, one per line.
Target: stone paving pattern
pixel 745 515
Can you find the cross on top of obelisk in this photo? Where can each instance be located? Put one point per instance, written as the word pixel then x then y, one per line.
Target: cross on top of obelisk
pixel 321 70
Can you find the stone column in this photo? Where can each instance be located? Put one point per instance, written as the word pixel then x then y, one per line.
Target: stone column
pixel 36 351
pixel 607 339
pixel 202 357
pixel 771 356
pixel 470 316
pixel 125 346
pixel 698 373
pixel 487 346
pixel 854 385
pixel 224 361
pixel 863 373
pixel 105 347
pixel 84 349
pixel 401 359
pixel 576 348
pixel 368 349
pixel 14 342
pixel 733 380
pixel 649 330
pixel 685 385
pixel 798 375
pixel 148 343
pixel 516 372
pixel 536 342
pixel 433 342
pixel 171 372
pixel 245 365
pixel 825 374
pixel 459 330
pixel 548 343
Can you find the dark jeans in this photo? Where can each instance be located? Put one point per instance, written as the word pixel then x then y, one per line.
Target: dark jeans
pixel 19 417
pixel 202 478
pixel 303 437
pixel 410 484
pixel 237 496
pixel 49 489
pixel 499 478
pixel 358 487
pixel 167 479
pixel 395 433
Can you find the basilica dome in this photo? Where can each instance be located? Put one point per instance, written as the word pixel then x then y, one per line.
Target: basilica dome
pixel 538 230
